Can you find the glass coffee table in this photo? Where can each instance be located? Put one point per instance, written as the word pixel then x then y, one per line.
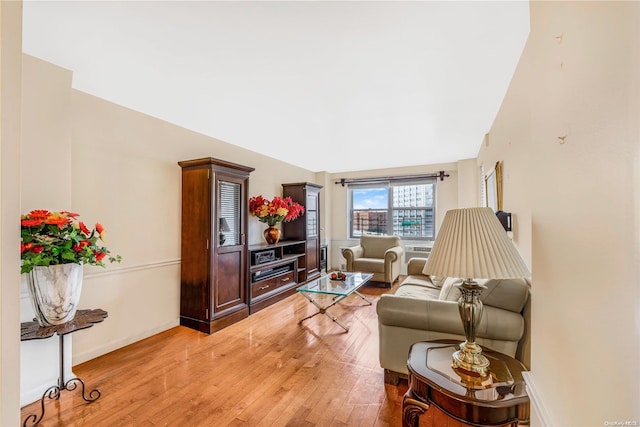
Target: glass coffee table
pixel 340 289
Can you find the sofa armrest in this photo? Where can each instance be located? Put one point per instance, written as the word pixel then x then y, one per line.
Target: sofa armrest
pixel 392 263
pixel 415 266
pixel 393 254
pixel 417 313
pixel 352 253
pixel 443 316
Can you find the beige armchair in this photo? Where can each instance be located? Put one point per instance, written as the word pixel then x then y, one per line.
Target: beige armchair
pixel 380 255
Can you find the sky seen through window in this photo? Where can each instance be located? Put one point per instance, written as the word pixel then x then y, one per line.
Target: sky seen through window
pixel 371 198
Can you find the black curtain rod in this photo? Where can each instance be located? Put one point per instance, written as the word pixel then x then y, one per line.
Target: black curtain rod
pixel 442 175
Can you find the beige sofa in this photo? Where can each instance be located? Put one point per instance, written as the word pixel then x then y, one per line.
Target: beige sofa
pixel 380 255
pixel 425 308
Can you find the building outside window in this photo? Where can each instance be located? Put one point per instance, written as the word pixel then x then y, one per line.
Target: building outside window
pixel 405 209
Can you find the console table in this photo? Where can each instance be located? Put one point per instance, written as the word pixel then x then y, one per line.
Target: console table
pixel 33 331
pixel 497 400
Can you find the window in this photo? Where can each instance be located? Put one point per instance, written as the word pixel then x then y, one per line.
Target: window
pixel 405 209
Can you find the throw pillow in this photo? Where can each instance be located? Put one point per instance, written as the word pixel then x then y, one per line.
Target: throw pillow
pixel 438 281
pixel 449 291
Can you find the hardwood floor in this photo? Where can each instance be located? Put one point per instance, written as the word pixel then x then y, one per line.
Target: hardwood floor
pixel 263 371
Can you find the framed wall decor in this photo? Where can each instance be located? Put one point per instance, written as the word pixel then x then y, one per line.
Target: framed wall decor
pixel 493 188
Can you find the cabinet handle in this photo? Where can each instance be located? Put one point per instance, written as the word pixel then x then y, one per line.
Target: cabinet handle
pixel 285 279
pixel 264 287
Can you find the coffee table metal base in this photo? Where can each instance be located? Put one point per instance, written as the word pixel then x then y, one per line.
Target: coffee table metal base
pixel 323 309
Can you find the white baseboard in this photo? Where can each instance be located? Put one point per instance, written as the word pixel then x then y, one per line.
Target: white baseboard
pixel 115 345
pixel 537 403
pixel 35 393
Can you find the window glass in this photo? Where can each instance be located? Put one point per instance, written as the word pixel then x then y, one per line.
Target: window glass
pixel 229 212
pixel 405 209
pixel 369 212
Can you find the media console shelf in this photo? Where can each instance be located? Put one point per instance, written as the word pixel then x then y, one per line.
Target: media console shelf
pixel 274 271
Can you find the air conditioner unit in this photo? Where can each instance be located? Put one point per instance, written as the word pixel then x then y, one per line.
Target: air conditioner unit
pixel 416 251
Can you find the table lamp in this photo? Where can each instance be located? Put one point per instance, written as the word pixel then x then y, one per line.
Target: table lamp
pixel 472 244
pixel 224 228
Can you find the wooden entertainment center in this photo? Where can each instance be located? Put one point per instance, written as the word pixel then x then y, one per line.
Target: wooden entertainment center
pixel 274 272
pixel 222 279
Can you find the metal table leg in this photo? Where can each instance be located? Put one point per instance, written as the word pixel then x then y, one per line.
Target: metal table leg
pixel 53 392
pixel 363 297
pixel 323 310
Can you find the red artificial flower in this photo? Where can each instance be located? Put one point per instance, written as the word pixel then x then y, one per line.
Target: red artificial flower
pixel 99 255
pixel 60 221
pixel 72 214
pixel 295 210
pixel 276 210
pixel 39 214
pixel 30 222
pixel 78 247
pixel 255 204
pixel 101 232
pixel 83 228
pixel 37 249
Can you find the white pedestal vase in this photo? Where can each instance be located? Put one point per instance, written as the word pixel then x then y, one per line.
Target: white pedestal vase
pixel 55 292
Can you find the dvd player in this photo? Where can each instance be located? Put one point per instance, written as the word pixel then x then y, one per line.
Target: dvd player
pixel 270 272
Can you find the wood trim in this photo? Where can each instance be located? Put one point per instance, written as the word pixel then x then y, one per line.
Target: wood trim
pixel 146 266
pixel 206 161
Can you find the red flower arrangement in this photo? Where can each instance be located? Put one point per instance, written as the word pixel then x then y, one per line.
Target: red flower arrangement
pixel 274 211
pixel 51 238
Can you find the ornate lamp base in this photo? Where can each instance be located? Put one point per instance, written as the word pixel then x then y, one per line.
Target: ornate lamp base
pixel 470 359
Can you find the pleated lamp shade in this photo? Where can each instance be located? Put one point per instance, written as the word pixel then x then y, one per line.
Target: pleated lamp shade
pixel 473 244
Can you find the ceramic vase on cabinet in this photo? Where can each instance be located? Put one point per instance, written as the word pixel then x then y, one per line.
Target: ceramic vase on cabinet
pixel 272 235
pixel 55 292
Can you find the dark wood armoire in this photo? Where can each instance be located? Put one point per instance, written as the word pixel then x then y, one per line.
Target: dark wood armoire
pixel 307 227
pixel 213 282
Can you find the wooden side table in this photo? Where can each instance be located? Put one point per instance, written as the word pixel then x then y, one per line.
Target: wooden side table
pixel 497 400
pixel 33 331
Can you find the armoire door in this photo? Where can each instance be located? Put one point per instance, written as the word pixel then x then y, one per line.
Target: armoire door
pixel 230 285
pixel 313 233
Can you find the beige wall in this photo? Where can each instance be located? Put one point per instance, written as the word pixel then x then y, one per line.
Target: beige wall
pixel 10 100
pixel 509 142
pixel 577 206
pixel 46 136
pixel 468 184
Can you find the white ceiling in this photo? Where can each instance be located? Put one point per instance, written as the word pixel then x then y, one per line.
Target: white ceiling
pixel 328 86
